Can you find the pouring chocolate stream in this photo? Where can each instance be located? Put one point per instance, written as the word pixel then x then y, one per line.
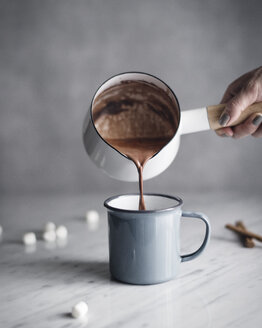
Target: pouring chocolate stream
pixel 137 119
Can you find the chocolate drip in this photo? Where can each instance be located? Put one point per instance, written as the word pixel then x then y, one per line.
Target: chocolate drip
pixel 142 205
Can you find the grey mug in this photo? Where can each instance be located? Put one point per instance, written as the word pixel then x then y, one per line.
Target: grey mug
pixel 144 246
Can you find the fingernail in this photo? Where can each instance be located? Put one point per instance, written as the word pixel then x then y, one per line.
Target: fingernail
pixel 257 120
pixel 224 119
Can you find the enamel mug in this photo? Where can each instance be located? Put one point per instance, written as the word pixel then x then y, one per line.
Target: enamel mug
pixel 144 246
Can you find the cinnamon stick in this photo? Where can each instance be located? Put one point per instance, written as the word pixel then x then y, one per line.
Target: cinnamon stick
pixel 247 241
pixel 246 233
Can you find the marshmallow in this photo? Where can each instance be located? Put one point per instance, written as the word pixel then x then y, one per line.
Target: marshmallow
pixel 61 232
pixel 1 230
pixel 49 236
pixel 50 226
pixel 92 217
pixel 29 238
pixel 79 310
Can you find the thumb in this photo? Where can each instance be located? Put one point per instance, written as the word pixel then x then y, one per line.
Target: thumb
pixel 235 106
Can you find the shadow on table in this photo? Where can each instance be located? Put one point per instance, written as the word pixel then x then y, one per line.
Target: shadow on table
pixel 233 240
pixel 70 270
pixel 19 240
pixel 66 271
pixel 225 239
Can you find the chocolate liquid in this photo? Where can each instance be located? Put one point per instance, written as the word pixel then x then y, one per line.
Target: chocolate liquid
pixel 138 119
pixel 139 151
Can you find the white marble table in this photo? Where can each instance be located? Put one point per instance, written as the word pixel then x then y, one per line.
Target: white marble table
pixel 38 286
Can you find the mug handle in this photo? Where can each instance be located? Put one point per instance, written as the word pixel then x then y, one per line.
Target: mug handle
pixel 201 216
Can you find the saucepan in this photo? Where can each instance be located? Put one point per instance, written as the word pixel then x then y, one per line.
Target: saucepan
pixel 116 164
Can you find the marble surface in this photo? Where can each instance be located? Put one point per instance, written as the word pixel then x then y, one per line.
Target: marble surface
pixel 39 285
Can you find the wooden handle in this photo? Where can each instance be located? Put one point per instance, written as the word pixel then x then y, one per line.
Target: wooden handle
pixel 214 112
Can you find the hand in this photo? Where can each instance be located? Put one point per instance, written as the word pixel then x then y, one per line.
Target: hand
pixel 240 94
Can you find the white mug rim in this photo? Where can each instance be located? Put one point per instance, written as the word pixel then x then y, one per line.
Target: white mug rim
pixel 117 209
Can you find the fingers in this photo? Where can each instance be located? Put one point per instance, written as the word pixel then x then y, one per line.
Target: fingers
pixel 225 132
pixel 252 126
pixel 258 133
pixel 240 94
pixel 238 103
pixel 236 86
pixel 227 95
pixel 230 92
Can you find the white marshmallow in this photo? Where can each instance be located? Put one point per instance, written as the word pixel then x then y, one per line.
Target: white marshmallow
pixel 49 236
pixel 50 226
pixel 79 310
pixel 1 230
pixel 29 238
pixel 92 217
pixel 61 232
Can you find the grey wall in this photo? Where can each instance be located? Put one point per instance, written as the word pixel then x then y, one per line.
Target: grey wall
pixel 54 54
